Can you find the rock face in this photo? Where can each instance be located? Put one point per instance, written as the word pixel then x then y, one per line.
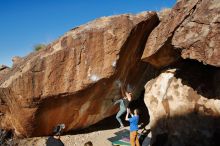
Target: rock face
pixel 73 80
pixel 191 29
pixel 163 13
pixel 16 60
pixel 3 71
pixel 184 102
pixel 184 106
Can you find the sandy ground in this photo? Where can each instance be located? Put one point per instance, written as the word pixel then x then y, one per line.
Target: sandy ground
pixel 98 138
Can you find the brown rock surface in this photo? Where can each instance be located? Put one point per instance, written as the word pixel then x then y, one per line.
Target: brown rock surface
pixel 199 34
pixel 16 60
pixel 73 80
pixel 163 13
pixel 184 106
pixel 3 71
pixel 193 28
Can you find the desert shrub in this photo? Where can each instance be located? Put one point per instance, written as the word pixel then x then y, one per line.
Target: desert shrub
pixel 39 47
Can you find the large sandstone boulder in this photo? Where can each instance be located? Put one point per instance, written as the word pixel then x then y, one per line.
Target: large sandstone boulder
pixel 73 80
pixel 184 106
pixel 191 30
pixel 184 103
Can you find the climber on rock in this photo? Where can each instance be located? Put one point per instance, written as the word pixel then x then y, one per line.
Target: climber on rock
pixel 124 104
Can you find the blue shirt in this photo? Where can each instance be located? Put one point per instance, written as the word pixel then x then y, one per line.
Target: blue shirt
pixel 134 123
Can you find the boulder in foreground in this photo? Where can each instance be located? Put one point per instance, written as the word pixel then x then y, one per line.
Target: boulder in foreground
pixel 74 79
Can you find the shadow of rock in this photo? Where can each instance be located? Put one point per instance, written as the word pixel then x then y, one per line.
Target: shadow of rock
pixel 192 129
pixel 204 79
pixel 120 135
pixel 106 124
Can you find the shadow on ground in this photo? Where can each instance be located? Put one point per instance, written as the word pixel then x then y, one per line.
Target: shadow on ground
pixel 122 134
pixel 122 137
pixel 192 129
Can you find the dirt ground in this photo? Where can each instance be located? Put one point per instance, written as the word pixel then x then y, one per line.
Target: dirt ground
pixel 98 138
pixel 100 134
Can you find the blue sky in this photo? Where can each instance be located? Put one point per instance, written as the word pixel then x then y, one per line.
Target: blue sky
pixel 25 23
